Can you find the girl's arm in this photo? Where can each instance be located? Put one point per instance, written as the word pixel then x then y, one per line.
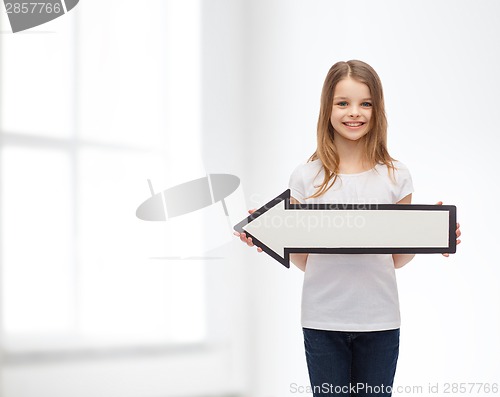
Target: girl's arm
pixel 402 259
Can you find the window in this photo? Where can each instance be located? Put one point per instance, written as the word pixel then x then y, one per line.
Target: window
pixel 89 112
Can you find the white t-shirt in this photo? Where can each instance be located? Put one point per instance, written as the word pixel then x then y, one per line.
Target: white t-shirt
pixel 351 292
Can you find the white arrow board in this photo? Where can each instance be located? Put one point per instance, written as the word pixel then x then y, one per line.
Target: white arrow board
pixel 281 228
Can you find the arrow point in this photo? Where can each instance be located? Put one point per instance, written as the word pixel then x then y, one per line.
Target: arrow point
pixel 259 225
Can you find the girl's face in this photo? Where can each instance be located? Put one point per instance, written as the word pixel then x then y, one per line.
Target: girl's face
pixel 352 110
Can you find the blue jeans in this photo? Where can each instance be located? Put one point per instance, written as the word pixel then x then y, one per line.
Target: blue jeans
pixel 351 363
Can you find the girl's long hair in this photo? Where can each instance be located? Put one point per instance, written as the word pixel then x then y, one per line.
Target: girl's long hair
pixel 374 142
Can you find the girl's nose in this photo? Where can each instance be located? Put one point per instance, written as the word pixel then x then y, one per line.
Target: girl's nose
pixel 354 112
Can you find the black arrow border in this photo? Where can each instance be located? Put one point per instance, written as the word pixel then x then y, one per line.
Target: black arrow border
pixel 285 196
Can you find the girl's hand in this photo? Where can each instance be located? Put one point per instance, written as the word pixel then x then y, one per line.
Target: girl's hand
pixel 244 238
pixel 458 232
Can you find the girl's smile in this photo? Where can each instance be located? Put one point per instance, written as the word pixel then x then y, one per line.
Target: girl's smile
pixel 353 125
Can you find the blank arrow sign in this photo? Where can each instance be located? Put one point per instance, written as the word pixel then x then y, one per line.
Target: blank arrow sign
pixel 281 228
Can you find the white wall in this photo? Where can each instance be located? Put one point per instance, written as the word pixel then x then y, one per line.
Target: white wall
pixel 438 62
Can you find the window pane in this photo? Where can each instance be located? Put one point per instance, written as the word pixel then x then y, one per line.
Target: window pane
pixel 37 283
pixel 121 81
pixel 125 295
pixel 37 79
pixel 139 83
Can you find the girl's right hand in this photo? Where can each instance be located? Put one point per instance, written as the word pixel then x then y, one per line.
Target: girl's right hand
pixel 244 238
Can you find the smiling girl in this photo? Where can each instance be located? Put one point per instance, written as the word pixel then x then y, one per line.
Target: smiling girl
pixel 350 307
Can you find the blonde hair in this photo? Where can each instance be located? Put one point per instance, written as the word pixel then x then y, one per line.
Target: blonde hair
pixel 374 142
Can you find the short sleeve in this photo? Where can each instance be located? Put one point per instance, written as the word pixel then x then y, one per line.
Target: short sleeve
pixel 404 181
pixel 296 185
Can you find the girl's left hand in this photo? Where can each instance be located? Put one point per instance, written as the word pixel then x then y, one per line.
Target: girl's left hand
pixel 458 232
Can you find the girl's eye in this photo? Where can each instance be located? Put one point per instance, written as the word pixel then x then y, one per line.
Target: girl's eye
pixel 366 104
pixel 343 103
